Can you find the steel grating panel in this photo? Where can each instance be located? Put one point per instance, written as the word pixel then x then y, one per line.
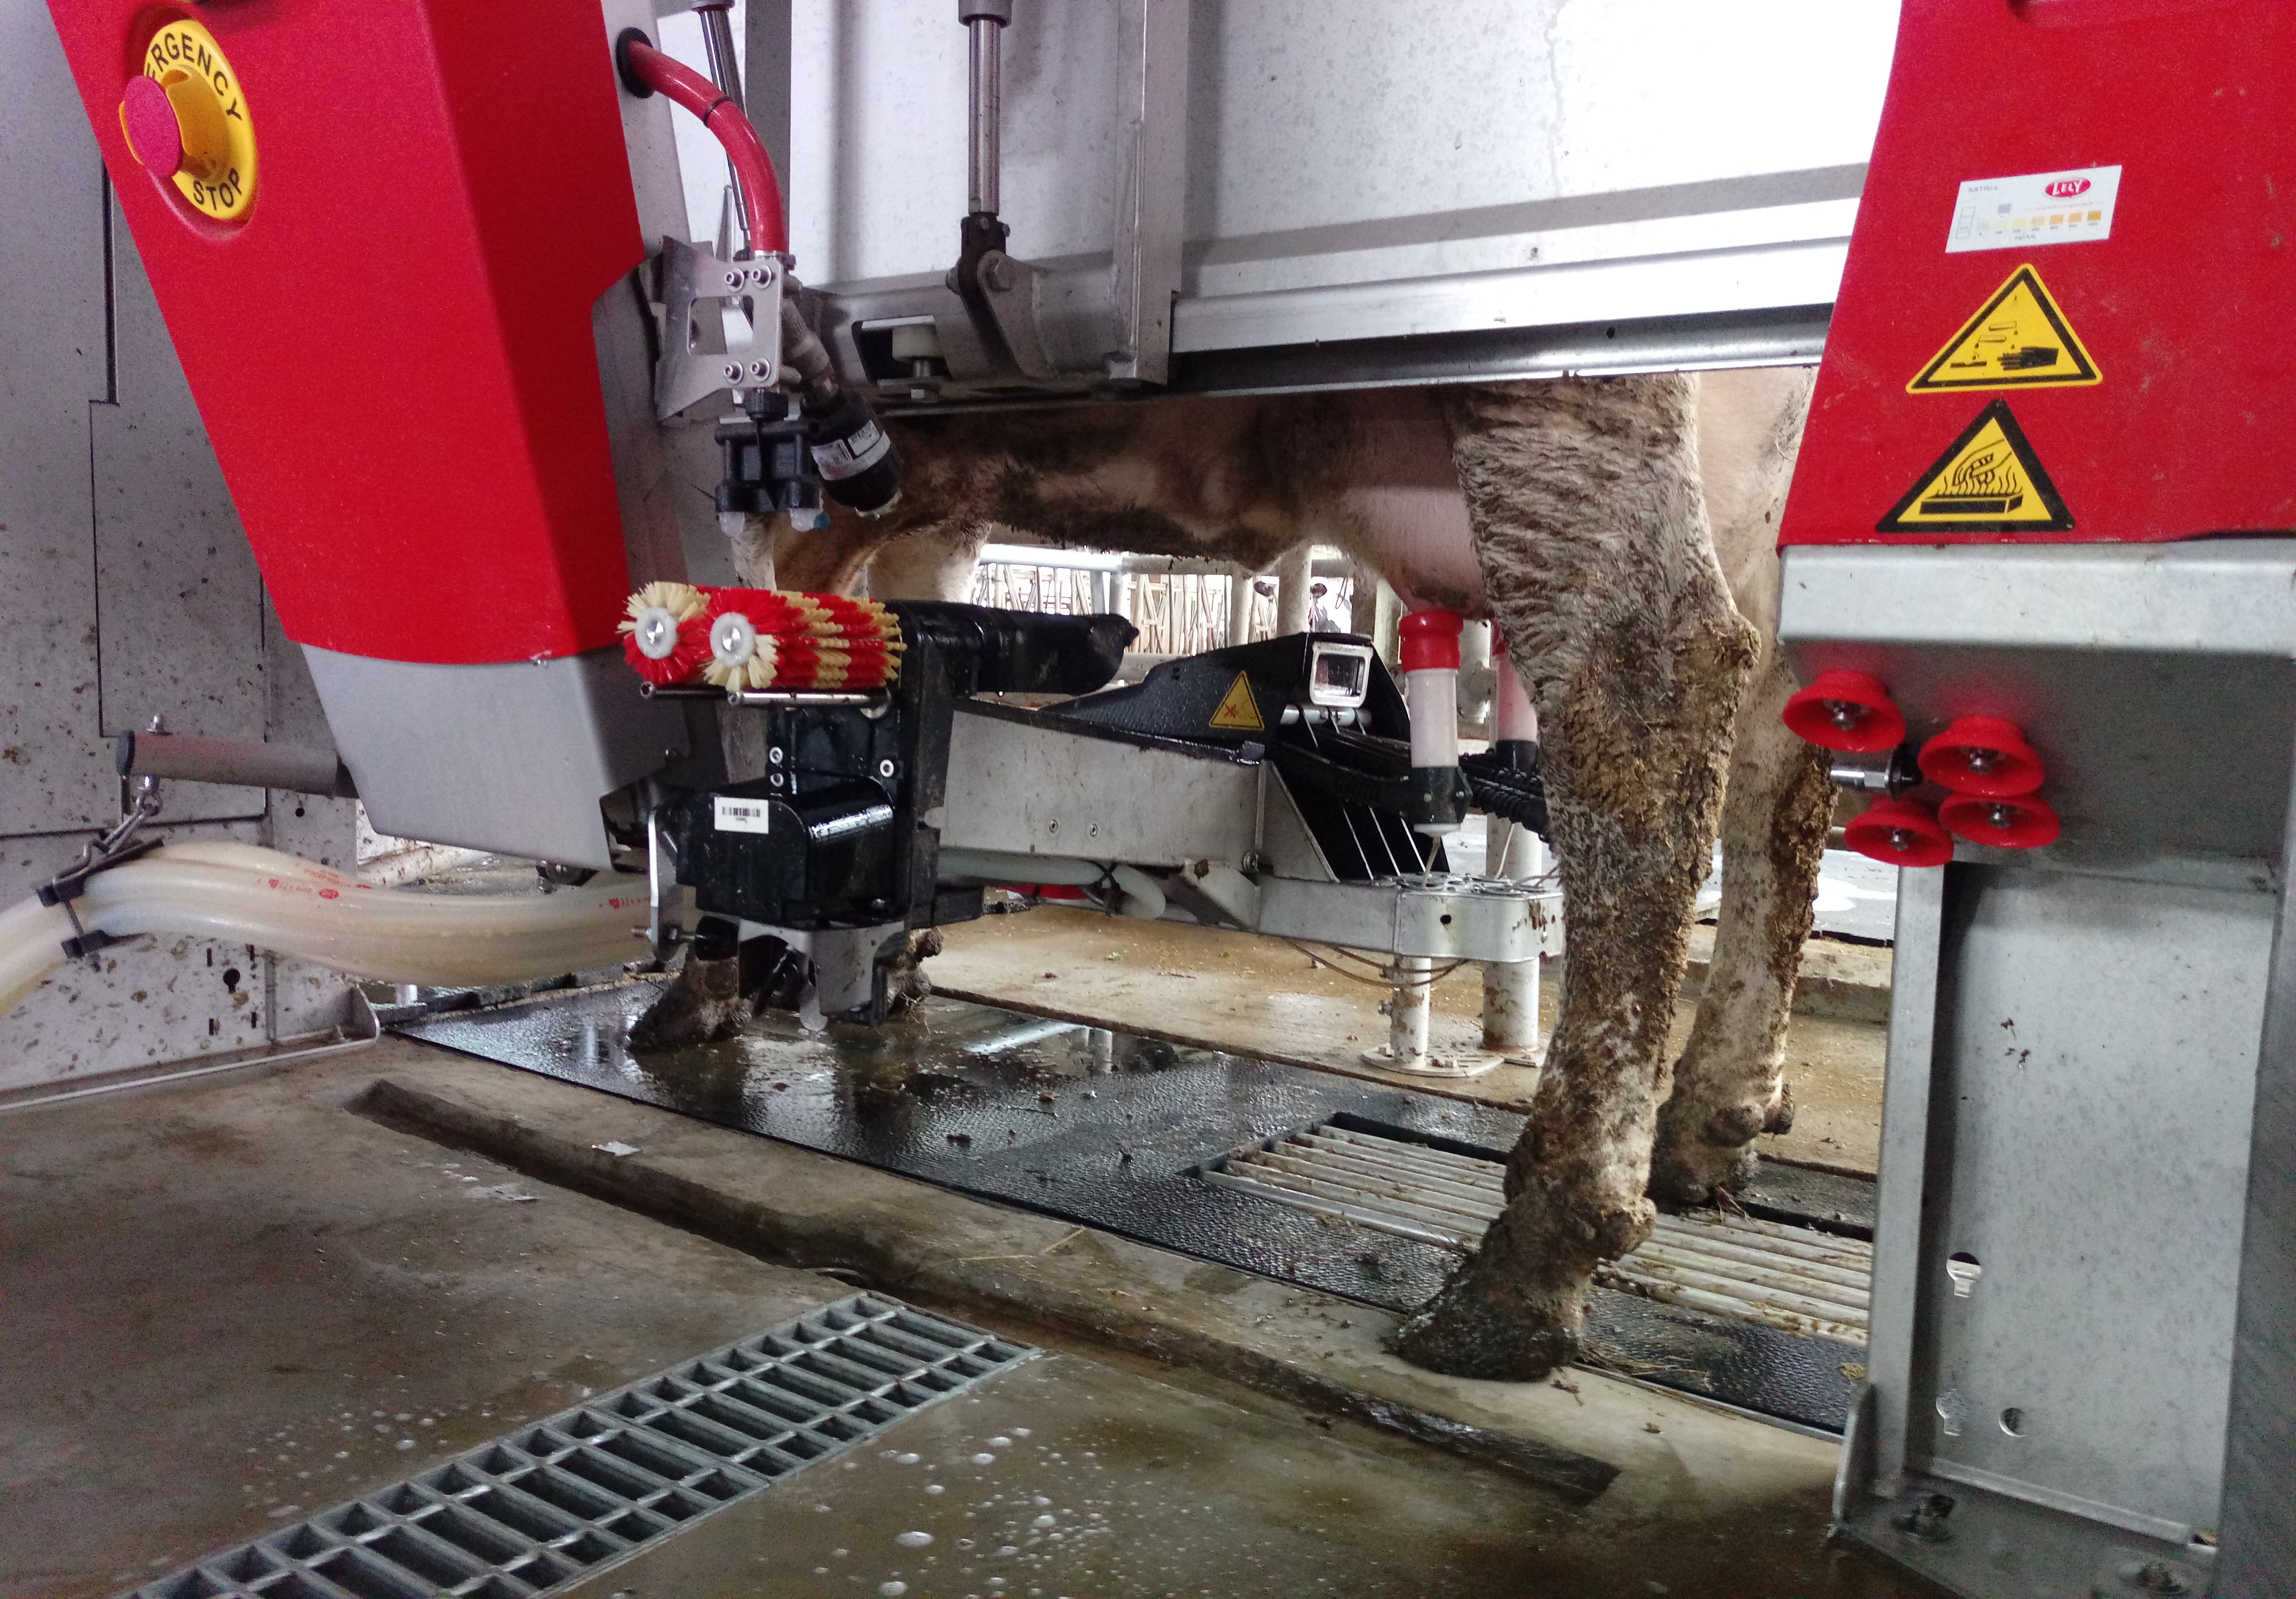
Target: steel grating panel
pixel 557 1498
pixel 1794 1278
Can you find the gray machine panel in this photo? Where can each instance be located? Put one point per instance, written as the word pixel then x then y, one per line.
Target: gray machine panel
pixel 1347 179
pixel 2087 1148
pixel 511 757
pixel 2153 681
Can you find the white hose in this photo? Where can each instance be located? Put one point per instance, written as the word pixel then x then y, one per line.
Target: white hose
pixel 237 893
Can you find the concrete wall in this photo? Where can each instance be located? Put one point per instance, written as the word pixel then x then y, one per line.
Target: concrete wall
pixel 126 590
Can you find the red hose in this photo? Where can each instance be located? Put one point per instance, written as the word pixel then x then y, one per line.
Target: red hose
pixel 753 168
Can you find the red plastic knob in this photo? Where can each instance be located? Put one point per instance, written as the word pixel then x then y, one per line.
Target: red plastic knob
pixel 1900 832
pixel 1847 710
pixel 154 135
pixel 1984 756
pixel 2023 822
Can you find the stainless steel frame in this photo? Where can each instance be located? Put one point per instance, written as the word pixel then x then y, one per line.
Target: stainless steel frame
pixel 2080 1332
pixel 1336 192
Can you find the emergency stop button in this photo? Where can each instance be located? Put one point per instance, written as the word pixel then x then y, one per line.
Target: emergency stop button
pixel 186 119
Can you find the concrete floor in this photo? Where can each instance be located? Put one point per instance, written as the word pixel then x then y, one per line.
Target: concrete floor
pixel 232 1302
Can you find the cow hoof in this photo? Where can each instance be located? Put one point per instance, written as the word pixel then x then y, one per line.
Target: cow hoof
pixel 1467 1334
pixel 1692 1171
pixel 703 1004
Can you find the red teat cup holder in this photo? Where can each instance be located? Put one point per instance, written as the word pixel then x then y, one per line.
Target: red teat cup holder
pixel 2023 823
pixel 1982 756
pixel 1845 710
pixel 1900 832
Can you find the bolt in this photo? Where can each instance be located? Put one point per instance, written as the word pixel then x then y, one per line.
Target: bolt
pixel 775 755
pixel 757 370
pixel 775 780
pixel 1981 761
pixel 733 369
pixel 1052 827
pixel 1926 1519
pixel 2002 817
pixel 884 769
pixel 997 272
pixel 733 280
pixel 1901 839
pixel 1844 714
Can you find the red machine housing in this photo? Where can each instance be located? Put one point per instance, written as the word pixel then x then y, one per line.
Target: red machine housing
pixel 392 349
pixel 2184 313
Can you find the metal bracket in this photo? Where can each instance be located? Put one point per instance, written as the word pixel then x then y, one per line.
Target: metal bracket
pixel 702 352
pixel 112 850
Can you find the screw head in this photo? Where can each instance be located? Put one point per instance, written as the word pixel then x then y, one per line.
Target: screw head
pixel 733 369
pixel 884 769
pixel 733 279
pixel 1843 713
pixel 774 755
pixel 757 370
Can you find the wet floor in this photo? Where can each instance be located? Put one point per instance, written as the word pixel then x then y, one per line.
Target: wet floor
pixel 1112 1130
pixel 1069 1479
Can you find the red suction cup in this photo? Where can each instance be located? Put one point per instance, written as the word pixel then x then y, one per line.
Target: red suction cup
pixel 1900 832
pixel 1847 710
pixel 2023 822
pixel 1984 756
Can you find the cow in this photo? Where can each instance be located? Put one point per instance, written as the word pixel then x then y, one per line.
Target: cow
pixel 1621 532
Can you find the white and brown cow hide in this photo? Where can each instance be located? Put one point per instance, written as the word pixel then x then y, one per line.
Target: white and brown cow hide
pixel 1606 525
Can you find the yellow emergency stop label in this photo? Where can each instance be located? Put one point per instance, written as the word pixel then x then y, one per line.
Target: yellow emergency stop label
pixel 2019 340
pixel 218 171
pixel 1238 711
pixel 1988 481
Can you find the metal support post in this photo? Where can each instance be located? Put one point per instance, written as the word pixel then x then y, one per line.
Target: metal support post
pixel 1511 987
pixel 726 71
pixel 984 24
pixel 1239 609
pixel 1408 1007
pixel 1295 573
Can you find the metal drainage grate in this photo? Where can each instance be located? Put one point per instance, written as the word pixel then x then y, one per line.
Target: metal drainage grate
pixel 1796 1278
pixel 535 1510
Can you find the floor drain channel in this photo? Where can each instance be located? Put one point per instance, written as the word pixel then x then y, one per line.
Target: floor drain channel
pixel 1795 1278
pixel 535 1510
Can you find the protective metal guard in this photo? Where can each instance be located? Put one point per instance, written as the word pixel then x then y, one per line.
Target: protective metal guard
pixel 703 353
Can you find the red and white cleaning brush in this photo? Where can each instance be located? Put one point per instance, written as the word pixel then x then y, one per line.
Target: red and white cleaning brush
pixel 666 634
pixel 764 639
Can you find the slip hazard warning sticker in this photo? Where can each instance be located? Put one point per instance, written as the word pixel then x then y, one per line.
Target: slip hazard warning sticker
pixel 1988 481
pixel 2019 340
pixel 1238 711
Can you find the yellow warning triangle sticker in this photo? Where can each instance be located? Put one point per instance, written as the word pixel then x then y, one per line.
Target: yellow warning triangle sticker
pixel 2019 340
pixel 1238 710
pixel 1988 481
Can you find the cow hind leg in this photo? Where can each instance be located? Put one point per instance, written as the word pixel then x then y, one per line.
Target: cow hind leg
pixel 1596 561
pixel 1729 1085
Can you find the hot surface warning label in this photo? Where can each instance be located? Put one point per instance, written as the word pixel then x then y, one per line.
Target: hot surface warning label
pixel 1988 481
pixel 2019 340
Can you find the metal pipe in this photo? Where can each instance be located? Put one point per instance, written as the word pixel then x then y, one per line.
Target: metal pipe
pixel 725 66
pixel 1408 1004
pixel 1514 853
pixel 241 762
pixel 984 20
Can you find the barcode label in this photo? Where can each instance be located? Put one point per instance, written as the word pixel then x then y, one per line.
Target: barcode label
pixel 742 816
